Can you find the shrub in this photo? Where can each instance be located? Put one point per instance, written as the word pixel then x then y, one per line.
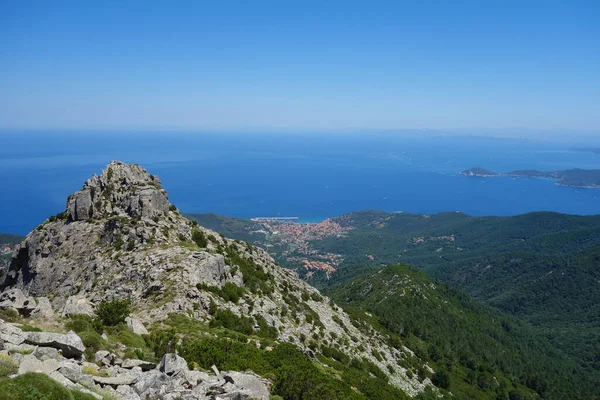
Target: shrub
pixel 229 291
pixel 441 379
pixel 10 315
pixel 114 312
pixel 229 320
pixel 8 366
pixel 199 238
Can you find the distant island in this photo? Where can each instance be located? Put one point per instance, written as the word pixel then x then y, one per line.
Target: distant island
pixel 580 178
pixel 588 150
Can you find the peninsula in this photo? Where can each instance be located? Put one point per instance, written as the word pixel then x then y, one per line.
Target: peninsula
pixel 580 178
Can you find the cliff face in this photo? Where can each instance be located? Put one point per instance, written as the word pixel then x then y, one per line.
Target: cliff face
pixel 121 238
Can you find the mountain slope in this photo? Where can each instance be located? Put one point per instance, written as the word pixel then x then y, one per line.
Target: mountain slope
pixel 472 343
pixel 120 238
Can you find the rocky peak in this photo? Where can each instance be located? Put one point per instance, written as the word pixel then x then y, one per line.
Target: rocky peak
pixel 121 190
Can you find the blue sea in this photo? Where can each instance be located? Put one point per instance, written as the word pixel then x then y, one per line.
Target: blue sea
pixel 310 176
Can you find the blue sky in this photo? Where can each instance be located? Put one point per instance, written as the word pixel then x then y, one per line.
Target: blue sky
pixel 300 64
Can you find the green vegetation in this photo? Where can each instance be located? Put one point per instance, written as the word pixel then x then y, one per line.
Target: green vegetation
pixel 228 292
pixel 34 386
pixel 112 313
pixel 295 375
pixel 476 351
pixel 199 238
pixel 255 278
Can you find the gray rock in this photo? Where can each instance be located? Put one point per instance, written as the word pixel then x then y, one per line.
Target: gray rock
pixel 114 380
pixel 136 325
pixel 30 363
pixel 11 334
pixel 101 355
pixel 172 363
pixel 127 393
pixel 144 365
pixel 57 376
pixel 48 352
pixel 70 344
pixel 77 305
pixel 43 308
pixel 15 299
pixel 12 298
pixel 248 384
pixel 153 379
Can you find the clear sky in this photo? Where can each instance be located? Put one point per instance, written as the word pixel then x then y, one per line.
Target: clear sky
pixel 445 64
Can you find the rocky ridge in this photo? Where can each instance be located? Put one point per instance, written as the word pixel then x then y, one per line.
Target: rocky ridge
pixel 121 238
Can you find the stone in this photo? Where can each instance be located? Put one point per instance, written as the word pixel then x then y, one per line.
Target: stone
pixel 12 298
pixel 144 365
pixel 48 352
pixel 114 380
pixel 101 355
pixel 72 371
pixel 249 384
pixel 136 325
pixel 30 363
pixel 69 344
pixel 15 299
pixel 150 380
pixel 57 376
pixel 127 393
pixel 77 305
pixel 11 334
pixel 172 363
pixel 43 308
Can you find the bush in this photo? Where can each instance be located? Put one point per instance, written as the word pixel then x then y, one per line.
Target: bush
pixel 10 315
pixel 8 366
pixel 112 313
pixel 199 238
pixel 229 320
pixel 441 379
pixel 229 291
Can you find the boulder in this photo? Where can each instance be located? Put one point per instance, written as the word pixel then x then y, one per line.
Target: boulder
pixel 249 385
pixel 77 305
pixel 43 308
pixel 30 363
pixel 152 379
pixel 136 325
pixel 12 298
pixel 11 334
pixel 114 380
pixel 172 363
pixel 47 352
pixel 70 344
pixel 125 392
pixel 144 365
pixel 15 299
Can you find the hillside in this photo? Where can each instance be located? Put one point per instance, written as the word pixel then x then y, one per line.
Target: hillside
pixel 539 267
pixel 478 352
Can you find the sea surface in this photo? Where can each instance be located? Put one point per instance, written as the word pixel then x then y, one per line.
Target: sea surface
pixel 311 176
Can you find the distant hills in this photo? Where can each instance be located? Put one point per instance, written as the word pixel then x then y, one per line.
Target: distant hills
pixel 540 267
pixel 581 178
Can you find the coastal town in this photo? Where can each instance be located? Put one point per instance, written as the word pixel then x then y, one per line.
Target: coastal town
pixel 292 240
